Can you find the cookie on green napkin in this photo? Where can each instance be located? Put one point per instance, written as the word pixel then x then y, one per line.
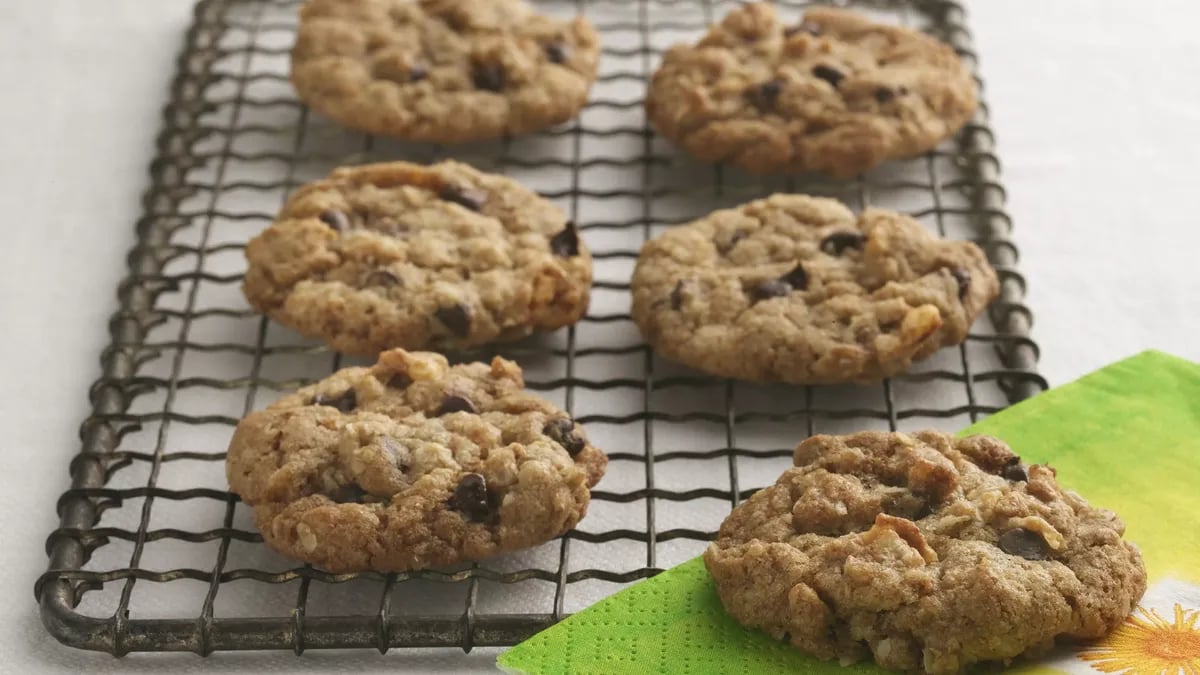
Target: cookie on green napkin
pixel 1126 437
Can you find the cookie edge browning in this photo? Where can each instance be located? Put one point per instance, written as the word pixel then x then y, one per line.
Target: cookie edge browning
pixel 570 279
pixel 351 537
pixel 359 112
pixel 843 160
pixel 984 287
pixel 804 618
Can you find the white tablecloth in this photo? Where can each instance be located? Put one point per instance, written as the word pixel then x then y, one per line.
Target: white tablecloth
pixel 1095 104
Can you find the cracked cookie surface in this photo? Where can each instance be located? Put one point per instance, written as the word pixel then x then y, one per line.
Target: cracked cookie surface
pixel 924 551
pixel 403 255
pixel 411 464
pixel 835 93
pixel 798 289
pixel 442 71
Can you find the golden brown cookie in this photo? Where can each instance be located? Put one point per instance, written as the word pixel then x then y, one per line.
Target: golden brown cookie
pixel 410 464
pixel 924 551
pixel 402 255
pixel 836 93
pixel 798 289
pixel 442 71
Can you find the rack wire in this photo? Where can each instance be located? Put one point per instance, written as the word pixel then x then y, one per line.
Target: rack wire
pixel 153 554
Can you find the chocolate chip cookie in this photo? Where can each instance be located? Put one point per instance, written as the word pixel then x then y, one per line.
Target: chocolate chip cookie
pixel 401 255
pixel 835 93
pixel 924 551
pixel 442 71
pixel 410 464
pixel 798 289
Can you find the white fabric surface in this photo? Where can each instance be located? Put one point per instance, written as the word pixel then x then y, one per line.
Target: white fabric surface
pixel 1095 105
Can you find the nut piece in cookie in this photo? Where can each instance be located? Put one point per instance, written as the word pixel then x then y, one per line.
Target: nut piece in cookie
pixel 443 71
pixel 835 93
pixel 798 289
pixel 402 255
pixel 412 463
pixel 926 552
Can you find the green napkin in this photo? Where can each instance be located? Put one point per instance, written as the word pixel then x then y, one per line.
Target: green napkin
pixel 1126 437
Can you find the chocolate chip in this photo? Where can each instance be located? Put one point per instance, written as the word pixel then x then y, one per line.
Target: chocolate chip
pixel 349 494
pixel 883 94
pixel 764 95
pixel 1014 471
pixel 906 505
pixel 566 243
pixel 770 289
pixel 470 198
pixel 677 295
pixel 471 498
pixel 1024 543
pixel 457 318
pixel 384 278
pixel 562 431
pixel 963 278
pixel 488 76
pixel 335 219
pixel 810 27
pixel 345 401
pixel 399 381
pixel 797 278
pixel 838 242
pixel 417 73
pixel 557 52
pixel 830 75
pixel 455 403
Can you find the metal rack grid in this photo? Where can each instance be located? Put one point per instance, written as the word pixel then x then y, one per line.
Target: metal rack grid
pixel 154 555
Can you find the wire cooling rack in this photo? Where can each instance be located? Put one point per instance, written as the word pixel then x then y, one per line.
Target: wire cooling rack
pixel 154 555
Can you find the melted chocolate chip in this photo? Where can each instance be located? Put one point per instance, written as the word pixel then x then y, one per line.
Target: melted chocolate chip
pixel 471 498
pixel 1014 471
pixel 399 381
pixel 830 75
pixel 383 278
pixel 562 431
pixel 883 94
pixel 963 278
pixel 838 242
pixel 557 52
pixel 470 198
pixel 335 219
pixel 345 401
pixel 417 73
pixel 770 289
pixel 456 318
pixel 677 295
pixel 907 505
pixel 764 95
pixel 455 403
pixel 349 494
pixel 797 278
pixel 488 76
pixel 565 244
pixel 1024 543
